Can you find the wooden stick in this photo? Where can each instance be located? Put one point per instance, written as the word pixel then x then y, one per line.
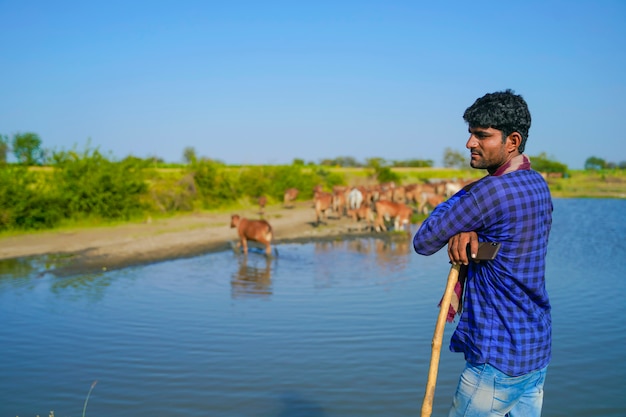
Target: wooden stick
pixel 427 404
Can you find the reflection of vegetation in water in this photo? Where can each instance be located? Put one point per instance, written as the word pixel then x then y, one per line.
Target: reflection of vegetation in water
pixel 94 282
pixel 25 272
pixel 16 268
pixel 28 266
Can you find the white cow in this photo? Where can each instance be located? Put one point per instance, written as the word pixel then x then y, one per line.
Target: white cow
pixel 355 198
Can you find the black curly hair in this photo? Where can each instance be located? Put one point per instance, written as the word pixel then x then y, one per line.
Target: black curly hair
pixel 502 110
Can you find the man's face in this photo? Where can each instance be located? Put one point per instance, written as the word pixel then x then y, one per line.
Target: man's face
pixel 486 148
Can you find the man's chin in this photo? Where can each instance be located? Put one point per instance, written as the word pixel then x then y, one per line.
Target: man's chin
pixel 476 164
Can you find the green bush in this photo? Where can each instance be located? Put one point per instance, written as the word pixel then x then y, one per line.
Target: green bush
pixel 216 186
pixel 27 201
pixel 93 186
pixel 542 163
pixel 169 194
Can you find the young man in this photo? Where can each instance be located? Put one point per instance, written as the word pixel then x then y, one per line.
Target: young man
pixel 504 329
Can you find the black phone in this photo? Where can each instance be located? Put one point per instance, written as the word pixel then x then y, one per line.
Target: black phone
pixel 487 251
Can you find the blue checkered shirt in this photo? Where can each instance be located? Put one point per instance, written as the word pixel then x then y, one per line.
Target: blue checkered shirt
pixel 506 318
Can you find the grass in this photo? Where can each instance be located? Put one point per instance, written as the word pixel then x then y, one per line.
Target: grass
pixel 590 184
pixel 576 184
pixel 88 394
pixel 84 405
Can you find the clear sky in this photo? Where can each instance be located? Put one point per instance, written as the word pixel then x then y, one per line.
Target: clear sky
pixel 264 82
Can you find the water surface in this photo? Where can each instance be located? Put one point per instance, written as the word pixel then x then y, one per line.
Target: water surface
pixel 327 329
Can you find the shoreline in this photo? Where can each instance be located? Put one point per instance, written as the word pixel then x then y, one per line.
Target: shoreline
pixel 94 250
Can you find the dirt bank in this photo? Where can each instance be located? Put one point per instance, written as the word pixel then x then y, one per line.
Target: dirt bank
pixel 107 248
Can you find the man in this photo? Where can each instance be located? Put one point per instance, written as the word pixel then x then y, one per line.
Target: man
pixel 504 329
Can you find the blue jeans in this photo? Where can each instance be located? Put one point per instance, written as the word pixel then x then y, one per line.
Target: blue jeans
pixel 484 391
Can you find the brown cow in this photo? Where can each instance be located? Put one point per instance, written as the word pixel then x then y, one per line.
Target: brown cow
pixel 323 201
pixel 387 210
pixel 262 202
pixel 428 201
pixel 290 195
pixel 255 230
pixel 399 194
pixel 364 212
pixel 411 192
pixel 339 202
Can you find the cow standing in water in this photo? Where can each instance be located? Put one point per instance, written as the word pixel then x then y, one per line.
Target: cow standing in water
pixel 255 230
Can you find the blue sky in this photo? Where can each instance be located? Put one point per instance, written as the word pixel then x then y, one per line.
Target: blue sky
pixel 264 82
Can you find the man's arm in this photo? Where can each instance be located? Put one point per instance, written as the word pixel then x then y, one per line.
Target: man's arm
pixel 453 222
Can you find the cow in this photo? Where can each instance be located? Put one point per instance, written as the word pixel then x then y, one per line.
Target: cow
pixel 411 192
pixel 255 230
pixel 428 200
pixel 339 202
pixel 290 196
pixel 339 189
pixel 452 187
pixel 355 199
pixel 262 200
pixel 323 201
pixel 399 194
pixel 364 212
pixel 386 191
pixel 400 213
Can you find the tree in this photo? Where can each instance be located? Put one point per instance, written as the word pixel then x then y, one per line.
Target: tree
pixel 27 148
pixel 542 163
pixel 595 163
pixel 453 159
pixel 375 163
pixel 4 148
pixel 189 155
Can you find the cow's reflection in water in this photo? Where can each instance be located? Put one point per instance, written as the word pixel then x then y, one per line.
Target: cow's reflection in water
pixel 386 248
pixel 388 253
pixel 253 278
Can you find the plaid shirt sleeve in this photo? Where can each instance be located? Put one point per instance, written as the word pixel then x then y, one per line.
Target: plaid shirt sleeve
pixel 506 313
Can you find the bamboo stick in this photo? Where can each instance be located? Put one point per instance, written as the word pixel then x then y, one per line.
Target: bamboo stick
pixel 427 404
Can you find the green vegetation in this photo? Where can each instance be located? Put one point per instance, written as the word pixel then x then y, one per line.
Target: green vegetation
pixel 45 190
pixel 90 188
pixel 593 163
pixel 589 184
pixel 27 148
pixel 542 163
pixel 4 149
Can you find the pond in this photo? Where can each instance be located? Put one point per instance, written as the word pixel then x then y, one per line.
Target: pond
pixel 326 329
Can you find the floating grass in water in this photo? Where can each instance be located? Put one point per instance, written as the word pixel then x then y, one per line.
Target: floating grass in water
pixel 88 394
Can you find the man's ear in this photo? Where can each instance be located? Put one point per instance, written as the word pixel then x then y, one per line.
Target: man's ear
pixel 513 142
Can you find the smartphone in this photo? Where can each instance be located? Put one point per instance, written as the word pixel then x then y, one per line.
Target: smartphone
pixel 487 251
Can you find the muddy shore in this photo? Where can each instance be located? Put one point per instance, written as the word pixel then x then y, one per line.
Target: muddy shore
pixel 108 248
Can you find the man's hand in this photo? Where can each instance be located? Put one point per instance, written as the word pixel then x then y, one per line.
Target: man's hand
pixel 457 247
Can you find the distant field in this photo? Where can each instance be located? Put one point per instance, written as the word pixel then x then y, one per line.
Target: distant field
pixel 578 183
pixel 590 184
pixel 587 184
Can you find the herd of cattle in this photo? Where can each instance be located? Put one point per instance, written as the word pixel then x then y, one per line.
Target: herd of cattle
pixel 381 203
pixel 376 205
